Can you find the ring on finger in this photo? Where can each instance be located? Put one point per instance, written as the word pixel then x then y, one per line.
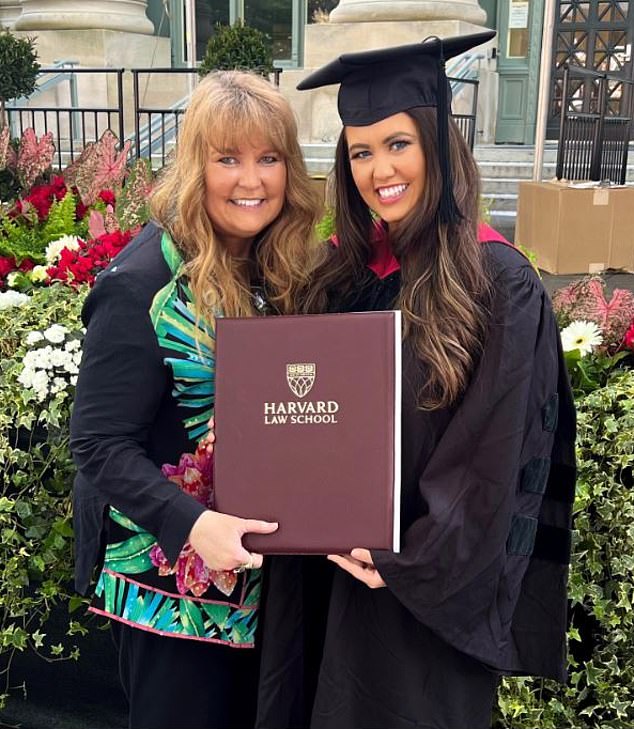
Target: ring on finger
pixel 245 566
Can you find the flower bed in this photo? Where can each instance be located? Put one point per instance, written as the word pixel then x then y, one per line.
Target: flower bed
pixel 55 237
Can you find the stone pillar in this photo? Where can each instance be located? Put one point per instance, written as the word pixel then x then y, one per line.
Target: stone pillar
pixel 122 15
pixel 9 12
pixel 355 11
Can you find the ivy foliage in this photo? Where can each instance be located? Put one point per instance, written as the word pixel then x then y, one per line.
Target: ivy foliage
pixel 600 691
pixel 239 47
pixel 36 473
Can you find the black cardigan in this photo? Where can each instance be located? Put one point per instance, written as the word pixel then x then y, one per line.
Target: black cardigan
pixel 126 422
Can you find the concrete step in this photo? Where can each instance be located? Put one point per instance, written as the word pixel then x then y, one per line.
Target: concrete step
pixel 319 165
pixel 513 169
pixel 505 152
pixel 490 186
pixel 319 150
pixel 501 201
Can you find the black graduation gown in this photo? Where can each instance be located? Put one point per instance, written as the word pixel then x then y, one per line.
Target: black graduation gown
pixel 479 587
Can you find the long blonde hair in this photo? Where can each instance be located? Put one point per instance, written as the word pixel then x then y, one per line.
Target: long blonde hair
pixel 225 109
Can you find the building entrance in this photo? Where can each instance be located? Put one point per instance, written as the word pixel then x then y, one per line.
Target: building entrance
pixel 596 35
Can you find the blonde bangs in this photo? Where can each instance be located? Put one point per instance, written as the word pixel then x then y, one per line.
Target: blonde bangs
pixel 229 116
pixel 236 126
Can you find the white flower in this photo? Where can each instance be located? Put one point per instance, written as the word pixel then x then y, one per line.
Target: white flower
pixel 42 357
pixel 38 274
pixel 26 377
pixel 12 279
pixel 54 249
pixel 33 338
pixel 33 359
pixel 581 335
pixel 39 384
pixel 8 299
pixel 59 358
pixel 59 384
pixel 56 333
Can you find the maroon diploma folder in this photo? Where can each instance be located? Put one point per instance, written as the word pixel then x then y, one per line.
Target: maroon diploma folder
pixel 308 429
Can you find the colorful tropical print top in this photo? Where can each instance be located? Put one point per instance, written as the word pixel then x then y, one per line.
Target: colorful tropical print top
pixel 138 584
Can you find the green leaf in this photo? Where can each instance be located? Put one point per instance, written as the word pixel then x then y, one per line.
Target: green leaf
pixel 191 618
pixel 217 613
pixel 131 556
pixel 63 527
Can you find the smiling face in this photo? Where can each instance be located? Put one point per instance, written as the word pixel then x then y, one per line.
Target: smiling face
pixel 244 192
pixel 388 165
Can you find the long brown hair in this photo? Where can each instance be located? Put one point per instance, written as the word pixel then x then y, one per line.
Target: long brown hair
pixel 445 288
pixel 225 109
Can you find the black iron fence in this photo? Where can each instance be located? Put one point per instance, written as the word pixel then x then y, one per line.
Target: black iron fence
pixel 156 127
pixel 593 145
pixel 466 121
pixel 152 129
pixel 54 108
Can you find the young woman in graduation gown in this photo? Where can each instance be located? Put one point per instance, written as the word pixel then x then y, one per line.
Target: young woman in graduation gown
pixel 420 638
pixel 233 217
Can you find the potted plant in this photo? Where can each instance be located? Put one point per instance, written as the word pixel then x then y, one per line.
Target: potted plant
pixel 18 61
pixel 240 47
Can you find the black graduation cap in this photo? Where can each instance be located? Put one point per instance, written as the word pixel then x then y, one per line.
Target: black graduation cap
pixel 376 84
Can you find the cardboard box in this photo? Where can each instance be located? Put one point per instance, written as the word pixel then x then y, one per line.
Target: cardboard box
pixel 576 230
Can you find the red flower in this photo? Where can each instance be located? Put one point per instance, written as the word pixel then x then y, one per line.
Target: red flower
pixel 26 265
pixel 80 210
pixel 58 187
pixel 7 265
pixel 82 265
pixel 108 197
pixel 42 196
pixel 629 337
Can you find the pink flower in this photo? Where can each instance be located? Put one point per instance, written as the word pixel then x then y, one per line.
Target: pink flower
pixel 194 475
pixel 629 337
pixel 585 299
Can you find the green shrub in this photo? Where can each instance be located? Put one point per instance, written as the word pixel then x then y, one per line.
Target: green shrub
pixel 600 692
pixel 36 474
pixel 237 47
pixel 18 61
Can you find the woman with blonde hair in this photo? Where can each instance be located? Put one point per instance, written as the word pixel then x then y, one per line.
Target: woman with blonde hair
pixel 234 216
